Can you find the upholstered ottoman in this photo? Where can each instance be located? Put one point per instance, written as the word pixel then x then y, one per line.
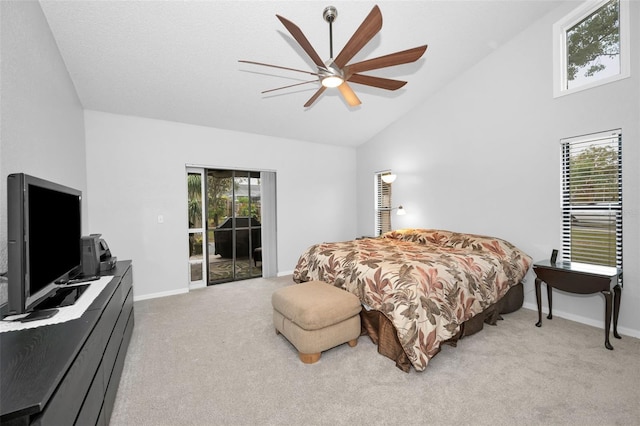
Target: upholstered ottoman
pixel 316 316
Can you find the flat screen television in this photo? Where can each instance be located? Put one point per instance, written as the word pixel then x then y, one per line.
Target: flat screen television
pixel 44 239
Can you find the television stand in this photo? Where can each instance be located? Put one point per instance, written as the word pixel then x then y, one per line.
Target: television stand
pixel 68 373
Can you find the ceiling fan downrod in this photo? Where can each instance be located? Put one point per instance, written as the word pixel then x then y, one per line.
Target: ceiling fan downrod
pixel 330 14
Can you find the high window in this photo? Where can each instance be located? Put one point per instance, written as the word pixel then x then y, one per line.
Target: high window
pixel 592 199
pixel 591 46
pixel 383 204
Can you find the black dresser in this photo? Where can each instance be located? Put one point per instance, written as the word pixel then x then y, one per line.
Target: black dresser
pixel 68 373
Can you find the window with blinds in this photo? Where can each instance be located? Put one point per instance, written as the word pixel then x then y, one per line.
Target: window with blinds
pixel 383 204
pixel 592 199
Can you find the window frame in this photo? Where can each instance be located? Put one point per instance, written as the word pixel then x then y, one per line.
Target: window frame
pixel 593 211
pixel 560 29
pixel 192 231
pixel 382 210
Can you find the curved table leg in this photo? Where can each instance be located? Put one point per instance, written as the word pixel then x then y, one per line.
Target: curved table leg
pixel 617 292
pixel 607 319
pixel 539 301
pixel 550 316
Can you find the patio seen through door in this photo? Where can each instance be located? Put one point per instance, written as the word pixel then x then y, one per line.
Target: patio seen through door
pixel 225 225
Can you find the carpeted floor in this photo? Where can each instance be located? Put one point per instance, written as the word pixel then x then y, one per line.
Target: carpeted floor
pixel 211 357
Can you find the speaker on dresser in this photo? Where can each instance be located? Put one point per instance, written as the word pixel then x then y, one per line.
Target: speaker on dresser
pixel 91 255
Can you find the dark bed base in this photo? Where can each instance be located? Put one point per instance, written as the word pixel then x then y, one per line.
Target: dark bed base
pixel 381 331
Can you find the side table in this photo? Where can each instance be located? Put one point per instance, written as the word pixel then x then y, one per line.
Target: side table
pixel 581 278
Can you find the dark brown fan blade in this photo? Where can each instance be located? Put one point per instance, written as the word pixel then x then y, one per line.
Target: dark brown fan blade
pixel 382 83
pixel 348 94
pixel 291 85
pixel 315 96
pixel 277 66
pixel 404 57
pixel 302 40
pixel 365 32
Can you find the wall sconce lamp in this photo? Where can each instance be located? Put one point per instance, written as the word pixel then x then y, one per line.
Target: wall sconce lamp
pixel 388 177
pixel 401 211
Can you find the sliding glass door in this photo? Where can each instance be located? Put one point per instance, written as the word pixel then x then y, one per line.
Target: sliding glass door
pixel 225 225
pixel 234 225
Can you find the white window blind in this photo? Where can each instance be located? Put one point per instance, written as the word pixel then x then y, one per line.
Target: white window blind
pixel 383 204
pixel 592 199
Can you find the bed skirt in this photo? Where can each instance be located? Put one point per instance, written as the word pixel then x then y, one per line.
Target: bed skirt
pixel 382 332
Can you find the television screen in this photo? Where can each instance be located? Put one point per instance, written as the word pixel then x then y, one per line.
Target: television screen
pixel 44 230
pixel 53 236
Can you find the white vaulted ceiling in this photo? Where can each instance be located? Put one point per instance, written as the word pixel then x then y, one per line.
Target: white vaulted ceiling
pixel 178 60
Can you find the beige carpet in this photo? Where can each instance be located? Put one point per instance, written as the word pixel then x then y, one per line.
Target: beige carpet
pixel 211 357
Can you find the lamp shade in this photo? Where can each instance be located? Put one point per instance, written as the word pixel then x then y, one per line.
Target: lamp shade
pixel 401 211
pixel 388 178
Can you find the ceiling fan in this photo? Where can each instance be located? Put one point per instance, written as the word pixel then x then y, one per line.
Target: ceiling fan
pixel 336 72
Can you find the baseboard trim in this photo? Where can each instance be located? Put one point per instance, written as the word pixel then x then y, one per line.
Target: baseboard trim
pixel 160 294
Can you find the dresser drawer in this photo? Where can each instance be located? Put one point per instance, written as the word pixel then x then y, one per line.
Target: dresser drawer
pixel 63 407
pixel 116 337
pixel 126 284
pixel 90 411
pixel 65 404
pixel 114 381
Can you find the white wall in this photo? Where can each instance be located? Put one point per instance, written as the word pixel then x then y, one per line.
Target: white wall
pixel 40 115
pixel 136 166
pixel 136 171
pixel 483 156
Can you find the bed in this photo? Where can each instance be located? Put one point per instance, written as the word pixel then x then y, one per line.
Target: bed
pixel 421 288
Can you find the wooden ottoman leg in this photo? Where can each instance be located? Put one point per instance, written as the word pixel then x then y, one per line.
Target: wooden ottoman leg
pixel 309 358
pixel 353 342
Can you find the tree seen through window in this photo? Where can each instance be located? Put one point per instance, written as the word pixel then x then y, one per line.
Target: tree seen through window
pixel 593 46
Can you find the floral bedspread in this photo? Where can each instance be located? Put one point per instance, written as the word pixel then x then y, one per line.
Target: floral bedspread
pixel 427 282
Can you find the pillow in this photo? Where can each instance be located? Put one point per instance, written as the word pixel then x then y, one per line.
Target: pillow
pixel 422 236
pixel 456 240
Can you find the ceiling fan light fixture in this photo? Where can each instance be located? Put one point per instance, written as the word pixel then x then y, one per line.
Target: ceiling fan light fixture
pixel 330 75
pixel 332 81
